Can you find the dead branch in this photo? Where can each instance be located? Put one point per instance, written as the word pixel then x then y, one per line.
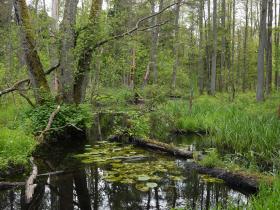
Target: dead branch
pixel 20 83
pixel 48 127
pixel 137 26
pixel 30 183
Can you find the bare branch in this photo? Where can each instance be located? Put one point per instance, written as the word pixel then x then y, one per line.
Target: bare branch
pixel 136 27
pixel 48 127
pixel 18 84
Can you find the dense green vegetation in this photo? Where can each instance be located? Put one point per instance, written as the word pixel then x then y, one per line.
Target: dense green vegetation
pixel 15 143
pixel 202 67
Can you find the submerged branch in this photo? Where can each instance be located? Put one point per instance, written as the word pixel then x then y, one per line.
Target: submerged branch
pixel 30 183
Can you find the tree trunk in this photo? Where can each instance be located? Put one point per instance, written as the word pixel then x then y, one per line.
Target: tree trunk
pixel 245 66
pixel 54 49
pixel 176 44
pixel 154 42
pixel 85 58
pixel 269 48
pixel 231 70
pixel 36 73
pixel 277 39
pixel 262 43
pixel 67 60
pixel 214 53
pixel 201 47
pixel 223 51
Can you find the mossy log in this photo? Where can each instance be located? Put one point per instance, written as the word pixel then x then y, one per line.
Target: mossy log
pixel 155 145
pixel 241 181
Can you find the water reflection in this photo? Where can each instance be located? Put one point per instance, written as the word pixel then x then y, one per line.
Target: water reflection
pixel 86 189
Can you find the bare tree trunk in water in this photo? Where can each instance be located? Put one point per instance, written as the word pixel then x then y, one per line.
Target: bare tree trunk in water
pixel 262 43
pixel 80 180
pixel 36 73
pixel 176 44
pixel 65 185
pixel 214 53
pixel 67 61
pixel 269 48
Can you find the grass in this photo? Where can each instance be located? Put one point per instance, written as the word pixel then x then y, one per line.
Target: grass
pixel 15 144
pixel 267 198
pixel 242 127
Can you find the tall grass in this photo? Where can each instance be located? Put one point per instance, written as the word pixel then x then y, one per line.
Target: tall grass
pixel 244 126
pixel 267 198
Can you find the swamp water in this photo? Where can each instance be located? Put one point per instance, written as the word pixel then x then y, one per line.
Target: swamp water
pixel 106 175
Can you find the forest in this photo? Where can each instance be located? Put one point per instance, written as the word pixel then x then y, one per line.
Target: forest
pixel 139 104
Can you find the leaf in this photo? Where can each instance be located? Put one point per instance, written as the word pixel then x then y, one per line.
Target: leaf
pixel 143 178
pixel 142 188
pixel 151 184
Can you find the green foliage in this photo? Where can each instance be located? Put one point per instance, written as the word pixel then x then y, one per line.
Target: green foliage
pixel 15 147
pixel 244 126
pixel 15 143
pixel 69 115
pixel 212 159
pixel 267 198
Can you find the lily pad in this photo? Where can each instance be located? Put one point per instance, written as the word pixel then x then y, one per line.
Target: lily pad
pixel 142 188
pixel 151 184
pixel 143 178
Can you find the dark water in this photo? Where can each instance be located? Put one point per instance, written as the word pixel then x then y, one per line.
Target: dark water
pixel 72 184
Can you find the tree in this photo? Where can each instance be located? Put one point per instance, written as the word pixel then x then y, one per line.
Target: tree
pixel 269 47
pixel 214 53
pixel 262 43
pixel 176 44
pixel 67 60
pixel 37 76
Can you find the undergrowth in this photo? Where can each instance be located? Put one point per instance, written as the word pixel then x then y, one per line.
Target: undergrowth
pixel 242 127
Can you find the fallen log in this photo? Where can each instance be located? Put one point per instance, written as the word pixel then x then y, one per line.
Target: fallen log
pixel 238 180
pixel 156 145
pixel 9 185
